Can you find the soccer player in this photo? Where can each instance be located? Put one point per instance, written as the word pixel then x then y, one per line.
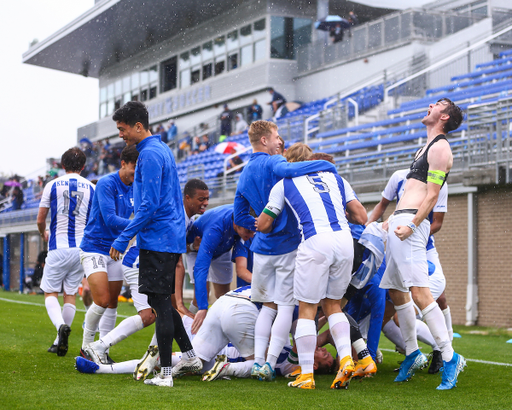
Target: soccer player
pixel 324 259
pixel 111 208
pixel 274 253
pixel 69 199
pixel 406 255
pixel 158 224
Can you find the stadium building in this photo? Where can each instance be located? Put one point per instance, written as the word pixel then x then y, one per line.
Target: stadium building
pixel 360 99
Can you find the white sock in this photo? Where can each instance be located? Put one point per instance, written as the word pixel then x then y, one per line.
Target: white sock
pixel 392 332
pixel 407 320
pixel 86 307
pixel 262 333
pixel 54 312
pixel 175 358
pixel 127 367
pixel 340 332
pixel 154 342
pixel 424 335
pixel 126 328
pixel 92 318
pixel 433 316
pixel 448 320
pixel 241 370
pixel 359 345
pixel 305 339
pixel 189 354
pixel 68 313
pixel 280 333
pixel 108 321
pixel 166 371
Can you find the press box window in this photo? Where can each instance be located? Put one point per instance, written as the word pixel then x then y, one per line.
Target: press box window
pixel 169 74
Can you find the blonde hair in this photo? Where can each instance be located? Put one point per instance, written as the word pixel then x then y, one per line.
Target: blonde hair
pixel 298 152
pixel 260 129
pixel 322 156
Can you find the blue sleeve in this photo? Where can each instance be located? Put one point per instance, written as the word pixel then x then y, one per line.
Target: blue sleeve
pixel 239 249
pixel 192 234
pixel 284 169
pixel 377 298
pixel 151 171
pixel 241 212
pixel 106 200
pixel 211 241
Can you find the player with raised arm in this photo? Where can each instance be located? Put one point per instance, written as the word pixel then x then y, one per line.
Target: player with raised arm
pixel 68 200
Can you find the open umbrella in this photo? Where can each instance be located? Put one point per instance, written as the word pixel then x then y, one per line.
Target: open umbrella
pixel 228 147
pixel 329 22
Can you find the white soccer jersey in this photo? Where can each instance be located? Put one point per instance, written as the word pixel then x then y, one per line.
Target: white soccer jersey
pixel 318 201
pixel 69 198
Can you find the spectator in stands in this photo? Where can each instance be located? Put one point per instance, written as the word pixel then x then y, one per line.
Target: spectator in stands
pixel 353 20
pixel 196 142
pixel 205 143
pixel 172 133
pixel 38 187
pixel 233 162
pixel 254 112
pixel 17 198
pixel 336 33
pixel 240 125
pixel 225 121
pixel 163 134
pixel 277 99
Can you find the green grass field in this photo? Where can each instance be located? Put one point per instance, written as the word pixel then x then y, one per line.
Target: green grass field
pixel 31 378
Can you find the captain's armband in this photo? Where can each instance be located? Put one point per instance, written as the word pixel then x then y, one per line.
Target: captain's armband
pixel 270 212
pixel 436 177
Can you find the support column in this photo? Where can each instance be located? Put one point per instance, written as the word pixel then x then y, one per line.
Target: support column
pixel 472 287
pixel 7 263
pixel 22 262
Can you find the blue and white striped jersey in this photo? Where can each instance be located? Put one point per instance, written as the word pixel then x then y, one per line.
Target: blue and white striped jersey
pixel 318 201
pixel 69 199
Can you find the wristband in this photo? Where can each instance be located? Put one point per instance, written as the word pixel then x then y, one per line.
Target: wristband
pixel 191 247
pixel 412 226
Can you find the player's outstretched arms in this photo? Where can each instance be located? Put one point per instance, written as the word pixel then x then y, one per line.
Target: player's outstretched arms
pixel 356 212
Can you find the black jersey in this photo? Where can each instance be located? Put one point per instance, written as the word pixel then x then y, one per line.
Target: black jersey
pixel 419 167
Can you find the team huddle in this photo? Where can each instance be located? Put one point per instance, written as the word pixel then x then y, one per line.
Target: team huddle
pixel 304 249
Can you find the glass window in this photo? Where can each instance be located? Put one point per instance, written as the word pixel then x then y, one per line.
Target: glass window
pixel 246 55
pixel 260 49
pixel 152 92
pixel 207 51
pixel 219 45
pixel 127 97
pixel 207 70
pixel 195 55
pixel 144 95
pixel 233 40
pixel 110 106
pixel 195 75
pixel 110 91
pixel 184 60
pixel 117 104
pixel 233 61
pixel 135 97
pixel 135 81
pixel 169 74
pixel 287 35
pixel 126 84
pixel 259 29
pixel 103 110
pixel 103 94
pixel 144 78
pixel 118 88
pixel 153 74
pixel 301 33
pixel 246 35
pixel 185 78
pixel 220 65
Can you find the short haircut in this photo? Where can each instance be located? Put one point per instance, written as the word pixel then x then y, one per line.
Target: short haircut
pixel 298 152
pixel 131 113
pixel 322 156
pixel 73 160
pixel 260 129
pixel 455 114
pixel 130 154
pixel 194 185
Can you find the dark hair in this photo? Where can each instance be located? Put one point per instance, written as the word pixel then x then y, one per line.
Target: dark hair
pixel 131 113
pixel 322 155
pixel 193 185
pixel 130 154
pixel 73 160
pixel 455 114
pixel 270 89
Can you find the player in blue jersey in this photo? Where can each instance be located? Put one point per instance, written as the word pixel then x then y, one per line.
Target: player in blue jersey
pixel 68 200
pixel 111 209
pixel 242 257
pixel 158 224
pixel 218 232
pixel 274 253
pixel 322 202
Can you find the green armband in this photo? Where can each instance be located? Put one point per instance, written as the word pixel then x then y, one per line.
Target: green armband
pixel 270 213
pixel 436 177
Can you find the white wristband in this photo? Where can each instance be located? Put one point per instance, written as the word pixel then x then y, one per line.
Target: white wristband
pixel 412 226
pixel 191 247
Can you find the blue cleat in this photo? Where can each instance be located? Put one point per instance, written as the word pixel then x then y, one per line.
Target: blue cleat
pixel 85 366
pixel 451 371
pixel 415 361
pixel 255 371
pixel 267 373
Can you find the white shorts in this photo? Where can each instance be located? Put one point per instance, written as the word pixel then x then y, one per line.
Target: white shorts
pixel 131 275
pixel 62 270
pixel 406 261
pixel 229 320
pixel 96 262
pixel 221 269
pixel 189 260
pixel 437 281
pixel 364 326
pixel 272 278
pixel 323 268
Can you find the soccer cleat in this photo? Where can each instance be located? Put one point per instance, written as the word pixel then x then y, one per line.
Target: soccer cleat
pixel 109 359
pixel 147 363
pixel 255 371
pixel 62 345
pixel 415 361
pixel 96 352
pixel 303 381
pixel 187 366
pixel 451 371
pixel 267 373
pixel 365 368
pixel 85 355
pixel 380 357
pixel 85 366
pixel 436 362
pixel 218 369
pixel 159 380
pixel 52 349
pixel 344 374
pixel 295 373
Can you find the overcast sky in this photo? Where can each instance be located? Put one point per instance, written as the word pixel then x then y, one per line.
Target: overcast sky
pixel 41 109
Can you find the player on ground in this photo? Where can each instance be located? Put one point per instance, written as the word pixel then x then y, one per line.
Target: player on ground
pixel 69 199
pixel 406 255
pixel 324 259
